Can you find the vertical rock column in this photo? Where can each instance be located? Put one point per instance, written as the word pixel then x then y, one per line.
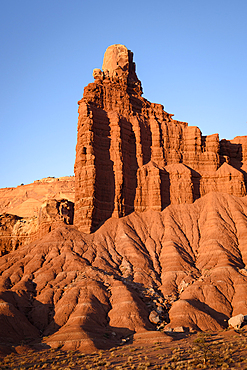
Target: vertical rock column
pixel 85 171
pixel 106 152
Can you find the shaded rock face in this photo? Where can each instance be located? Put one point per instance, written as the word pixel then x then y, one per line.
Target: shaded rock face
pixel 131 155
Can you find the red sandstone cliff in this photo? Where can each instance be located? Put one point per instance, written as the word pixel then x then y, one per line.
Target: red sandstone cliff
pixel 131 155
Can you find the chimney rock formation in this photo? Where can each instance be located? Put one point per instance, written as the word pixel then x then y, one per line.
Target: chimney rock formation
pixel 184 268
pixel 131 155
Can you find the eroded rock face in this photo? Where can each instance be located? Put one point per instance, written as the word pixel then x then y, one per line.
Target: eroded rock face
pixel 117 61
pixel 30 211
pixel 131 154
pixel 17 231
pixel 182 267
pixel 52 212
pixel 26 200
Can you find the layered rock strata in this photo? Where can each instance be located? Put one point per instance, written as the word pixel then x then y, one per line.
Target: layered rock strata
pixel 132 155
pixel 26 200
pixel 28 212
pixel 16 231
pixel 184 266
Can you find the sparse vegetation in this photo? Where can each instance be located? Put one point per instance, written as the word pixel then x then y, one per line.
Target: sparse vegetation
pixel 225 350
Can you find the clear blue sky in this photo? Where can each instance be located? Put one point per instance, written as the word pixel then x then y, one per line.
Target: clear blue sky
pixel 191 56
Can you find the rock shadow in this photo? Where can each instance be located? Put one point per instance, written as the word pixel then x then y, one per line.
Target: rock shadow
pixel 130 166
pixel 165 185
pixel 220 317
pixel 196 182
pixel 104 177
pixel 231 153
pixel 146 141
pixel 18 324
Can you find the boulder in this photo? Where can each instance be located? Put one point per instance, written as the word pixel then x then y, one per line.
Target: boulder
pixel 179 329
pixel 154 317
pixel 236 321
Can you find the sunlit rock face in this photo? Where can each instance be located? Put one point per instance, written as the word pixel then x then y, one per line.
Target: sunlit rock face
pixel 131 155
pixel 30 211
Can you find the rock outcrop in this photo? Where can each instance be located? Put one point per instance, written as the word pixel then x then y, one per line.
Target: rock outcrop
pixel 16 231
pixel 236 321
pixel 26 200
pixel 132 155
pixel 28 212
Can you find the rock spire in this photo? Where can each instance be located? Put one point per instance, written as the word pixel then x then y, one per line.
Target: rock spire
pixel 131 155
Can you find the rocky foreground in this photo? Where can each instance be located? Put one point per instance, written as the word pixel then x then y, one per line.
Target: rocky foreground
pixel 223 350
pixel 155 246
